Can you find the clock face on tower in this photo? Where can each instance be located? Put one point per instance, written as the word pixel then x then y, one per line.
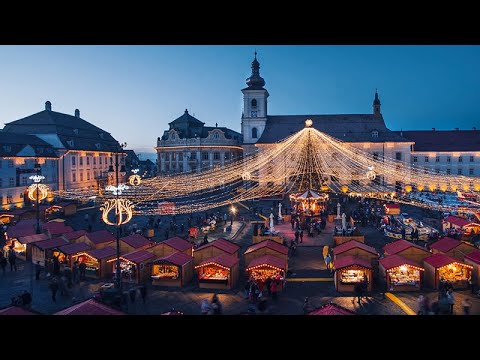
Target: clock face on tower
pixel 254 113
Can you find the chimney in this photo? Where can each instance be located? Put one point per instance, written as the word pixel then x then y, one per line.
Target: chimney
pixel 48 106
pixel 77 113
pixel 456 129
pixel 433 129
pixel 474 128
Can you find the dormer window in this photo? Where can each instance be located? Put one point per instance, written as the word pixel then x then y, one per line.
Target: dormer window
pixel 75 131
pixel 374 134
pixel 216 135
pixel 101 135
pixel 97 145
pixel 7 148
pixel 172 137
pixel 70 143
pixel 254 103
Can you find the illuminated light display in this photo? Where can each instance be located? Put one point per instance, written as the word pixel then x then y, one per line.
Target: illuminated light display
pixel 135 179
pixel 42 188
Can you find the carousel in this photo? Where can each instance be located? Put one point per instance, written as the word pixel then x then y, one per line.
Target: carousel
pixel 309 203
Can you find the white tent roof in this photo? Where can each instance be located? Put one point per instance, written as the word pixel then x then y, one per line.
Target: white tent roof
pixel 309 194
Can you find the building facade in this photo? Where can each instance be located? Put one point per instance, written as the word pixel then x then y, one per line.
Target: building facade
pixel 73 153
pixel 190 146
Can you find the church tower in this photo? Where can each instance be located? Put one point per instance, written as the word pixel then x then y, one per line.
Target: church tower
pixel 254 115
pixel 376 106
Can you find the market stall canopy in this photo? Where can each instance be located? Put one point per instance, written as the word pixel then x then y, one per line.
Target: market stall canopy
pixel 136 241
pixel 177 258
pixel 57 228
pixel 474 256
pixel 137 256
pixel 350 260
pixel 17 310
pixel 393 261
pixel 273 245
pixel 331 309
pixel 32 238
pixel 102 253
pixel 74 235
pixel 178 243
pixel 89 307
pixel 439 260
pixel 20 230
pixel 353 244
pixel 71 249
pixel 267 261
pixel 400 245
pixel 445 244
pixel 392 208
pixel 50 243
pixel 221 244
pixel 100 237
pixel 458 221
pixel 223 260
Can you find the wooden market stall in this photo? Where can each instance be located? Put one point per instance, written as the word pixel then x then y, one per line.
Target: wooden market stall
pixel 267 247
pixel 66 253
pixel 96 261
pixel 23 245
pixel 26 213
pixel 355 248
pixel 98 239
pixel 75 236
pixel 406 249
pixel 54 228
pixel 172 245
pixel 261 268
pixel 214 248
pixel 351 270
pixel 340 239
pixel 172 270
pixel 22 228
pixel 134 242
pixel 400 274
pixel 331 309
pixel 6 218
pixel 135 266
pixel 89 307
pixel 43 250
pixel 439 267
pixel 391 209
pixel 455 222
pixel 218 272
pixel 277 238
pixel 451 247
pixel 473 259
pixel 63 208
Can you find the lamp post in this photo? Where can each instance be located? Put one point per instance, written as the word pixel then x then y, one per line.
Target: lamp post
pixel 233 210
pixel 37 171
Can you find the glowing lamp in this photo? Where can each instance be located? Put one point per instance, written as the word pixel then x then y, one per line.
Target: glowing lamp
pixel 453 187
pixel 420 187
pixel 308 123
pixel 324 188
pixel 466 187
pixel 408 188
pixel 443 187
pixel 476 187
pixel 344 189
pixel 403 268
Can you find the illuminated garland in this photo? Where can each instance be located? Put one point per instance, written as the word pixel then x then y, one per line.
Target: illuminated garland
pixel 123 207
pixel 37 188
pixel 135 179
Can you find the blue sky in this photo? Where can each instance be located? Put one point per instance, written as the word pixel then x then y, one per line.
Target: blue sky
pixel 135 91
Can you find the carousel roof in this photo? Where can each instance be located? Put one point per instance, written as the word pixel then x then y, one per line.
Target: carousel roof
pixel 273 245
pixel 350 260
pixel 309 194
pixel 331 309
pixel 353 244
pixel 393 261
pixel 267 260
pixel 89 307
pixel 178 243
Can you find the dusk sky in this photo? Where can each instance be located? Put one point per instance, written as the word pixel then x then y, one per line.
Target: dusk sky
pixel 133 92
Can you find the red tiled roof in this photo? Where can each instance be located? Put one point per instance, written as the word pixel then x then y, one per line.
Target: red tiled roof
pixel 16 310
pixel 50 243
pixel 400 245
pixel 75 248
pixel 138 256
pixel 74 235
pixel 136 241
pixel 267 260
pixel 32 238
pixel 446 244
pixel 474 256
pixel 178 243
pixel 350 260
pixel 89 307
pixel 331 309
pixel 439 260
pixel 28 222
pixel 20 231
pixel 224 260
pixel 392 206
pixel 273 245
pixel 57 228
pixel 177 258
pixel 455 220
pixel 221 244
pixel 352 244
pixel 100 237
pixel 102 253
pixel 393 261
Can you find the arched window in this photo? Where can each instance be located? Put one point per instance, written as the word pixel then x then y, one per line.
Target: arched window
pixel 254 103
pixel 374 134
pixel 254 133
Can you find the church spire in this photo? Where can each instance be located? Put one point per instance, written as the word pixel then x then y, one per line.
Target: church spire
pixel 255 80
pixel 376 105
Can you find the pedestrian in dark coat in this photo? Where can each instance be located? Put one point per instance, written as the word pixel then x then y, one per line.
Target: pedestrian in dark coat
pixel 38 270
pixel 12 259
pixel 3 263
pixel 301 236
pixel 143 292
pixel 82 268
pixel 54 288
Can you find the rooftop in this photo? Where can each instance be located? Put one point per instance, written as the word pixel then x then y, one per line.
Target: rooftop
pixel 221 244
pixel 178 243
pixel 392 261
pixel 443 140
pixel 270 244
pixel 268 261
pixel 136 241
pixel 224 260
pixel 401 245
pixel 89 307
pixel 100 237
pixel 353 244
pixel 177 258
pixel 350 260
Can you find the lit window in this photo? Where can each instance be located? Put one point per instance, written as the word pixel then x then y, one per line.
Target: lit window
pixel 74 177
pixel 73 160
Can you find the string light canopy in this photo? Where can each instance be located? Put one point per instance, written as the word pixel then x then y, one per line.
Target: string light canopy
pixel 306 160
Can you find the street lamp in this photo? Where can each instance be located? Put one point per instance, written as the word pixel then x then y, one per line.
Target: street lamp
pixel 233 210
pixel 37 191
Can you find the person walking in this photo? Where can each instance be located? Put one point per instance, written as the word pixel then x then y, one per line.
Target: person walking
pixel 328 260
pixel 54 288
pixel 301 236
pixel 3 262
pixel 467 305
pixel 143 292
pixel 75 273
pixel 12 259
pixel 205 307
pixel 38 270
pixel 292 221
pixel 82 268
pixel 450 300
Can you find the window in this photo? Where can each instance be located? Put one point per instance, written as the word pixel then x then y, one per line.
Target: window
pixel 11 182
pixel 167 167
pixel 375 155
pixel 254 133
pixel 0 164
pixel 193 155
pixel 81 176
pixel 81 160
pixel 100 160
pixel 10 163
pixel 1 184
pixel 88 160
pixel 216 135
pixel 448 171
pixel 180 167
pixel 227 156
pixel 172 136
pixel 174 166
pixel 437 171
pixel 427 159
pixel 448 159
pixel 471 172
pixel 398 156
pixel 216 156
pixel 174 156
pixel 94 161
pixel 460 159
pixel 471 160
pixel 437 158
pixel 24 181
pixel 374 134
pixel 205 155
pixel 254 103
pixel 460 171
pixel 74 176
pixel 1 200
pixel 88 175
pixel 180 156
pixel 73 160
pixel 415 159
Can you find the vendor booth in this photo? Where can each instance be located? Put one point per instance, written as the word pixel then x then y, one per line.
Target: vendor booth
pixel 214 248
pixel 6 219
pixel 406 249
pixel 99 239
pixel 172 270
pixel 23 245
pixel 43 250
pixel 65 253
pixel 172 245
pixel 451 247
pixel 134 242
pixel 96 261
pixel 331 309
pixel 267 266
pixel 391 209
pixel 473 259
pixel 22 228
pixel 55 228
pixel 439 267
pixel 135 266
pixel 355 248
pixel 400 274
pixel 89 307
pixel 61 209
pixel 218 272
pixel 351 270
pixel 75 236
pixel 267 247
